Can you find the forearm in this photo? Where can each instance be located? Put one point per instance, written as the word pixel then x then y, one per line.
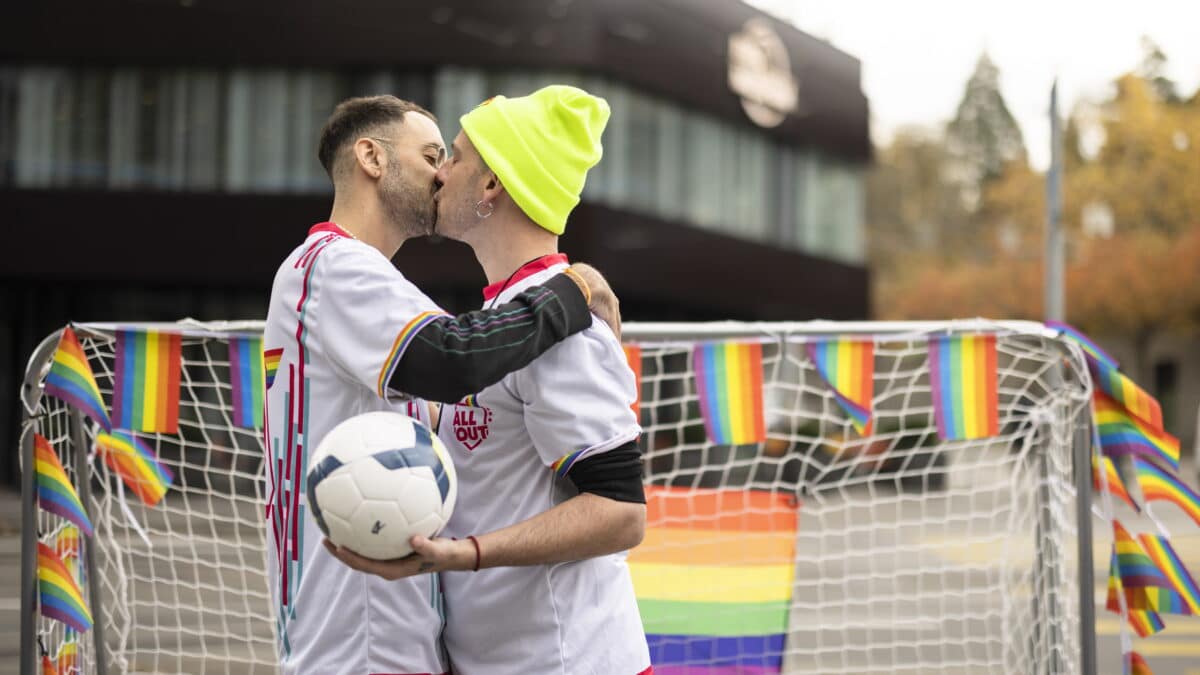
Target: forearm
pixel 582 527
pixel 451 357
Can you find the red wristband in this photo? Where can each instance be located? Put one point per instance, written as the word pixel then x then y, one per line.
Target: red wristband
pixel 477 554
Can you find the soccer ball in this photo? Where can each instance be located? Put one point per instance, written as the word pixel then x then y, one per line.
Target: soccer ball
pixel 376 480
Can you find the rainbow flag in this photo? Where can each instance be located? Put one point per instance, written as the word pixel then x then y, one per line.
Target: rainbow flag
pixel 1136 665
pixel 271 359
pixel 1167 560
pixel 71 379
pixel 1130 396
pixel 729 383
pixel 60 596
pixel 1145 624
pixel 1124 434
pixel 54 489
pixel 963 378
pixel 1116 486
pixel 66 662
pixel 248 377
pixel 1146 587
pixel 130 458
pixel 633 354
pixel 713 579
pixel 1158 485
pixel 146 391
pixel 848 368
pixel 1089 346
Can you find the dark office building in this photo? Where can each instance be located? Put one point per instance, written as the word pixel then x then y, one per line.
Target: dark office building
pixel 158 157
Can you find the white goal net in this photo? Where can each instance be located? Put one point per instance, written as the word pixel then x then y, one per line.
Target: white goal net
pixel 813 549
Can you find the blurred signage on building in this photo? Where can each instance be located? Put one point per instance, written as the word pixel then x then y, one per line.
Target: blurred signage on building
pixel 760 73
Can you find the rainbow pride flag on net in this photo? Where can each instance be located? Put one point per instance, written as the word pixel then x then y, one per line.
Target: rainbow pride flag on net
pixel 1122 390
pixel 1088 345
pixel 55 492
pixel 1167 560
pixel 1116 486
pixel 848 368
pixel 131 459
pixel 714 578
pixel 146 381
pixel 964 383
pixel 247 375
pixel 1160 485
pixel 1146 587
pixel 70 379
pixel 729 383
pixel 58 593
pixel 1122 433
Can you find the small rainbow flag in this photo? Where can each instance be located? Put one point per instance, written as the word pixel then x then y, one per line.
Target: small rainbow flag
pixel 130 458
pixel 1164 555
pixel 1136 665
pixel 633 354
pixel 60 596
pixel 65 663
pixel 1122 390
pixel 963 378
pixel 55 492
pixel 1124 434
pixel 1158 485
pixel 1116 486
pixel 713 579
pixel 71 379
pixel 146 391
pixel 1089 346
pixel 1143 622
pixel 848 367
pixel 248 377
pixel 729 383
pixel 271 364
pixel 1146 587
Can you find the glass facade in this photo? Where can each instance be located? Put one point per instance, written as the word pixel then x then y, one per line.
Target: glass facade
pixel 255 131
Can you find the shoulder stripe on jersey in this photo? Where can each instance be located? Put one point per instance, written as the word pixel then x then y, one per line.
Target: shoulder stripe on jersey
pixel 402 341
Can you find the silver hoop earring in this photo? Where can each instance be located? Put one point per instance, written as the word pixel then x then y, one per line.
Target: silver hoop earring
pixel 490 209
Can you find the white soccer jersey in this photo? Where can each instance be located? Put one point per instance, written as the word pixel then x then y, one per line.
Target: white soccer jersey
pixel 512 445
pixel 337 324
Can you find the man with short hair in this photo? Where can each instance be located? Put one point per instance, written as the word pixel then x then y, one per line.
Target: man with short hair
pixel 552 492
pixel 347 334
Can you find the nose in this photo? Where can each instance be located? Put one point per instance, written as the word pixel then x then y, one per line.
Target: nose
pixel 439 176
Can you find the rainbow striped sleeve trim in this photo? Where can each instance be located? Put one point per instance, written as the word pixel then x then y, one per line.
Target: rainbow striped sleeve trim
pixel 271 358
pixel 563 466
pixel 1088 345
pixel 70 379
pixel 60 596
pixel 401 343
pixel 848 369
pixel 1167 560
pixel 55 492
pixel 963 378
pixel 1158 485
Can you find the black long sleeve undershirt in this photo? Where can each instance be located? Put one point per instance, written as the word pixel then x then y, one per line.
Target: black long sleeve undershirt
pixel 616 474
pixel 452 357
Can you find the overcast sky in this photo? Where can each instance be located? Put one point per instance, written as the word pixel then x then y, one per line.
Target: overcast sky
pixel 917 54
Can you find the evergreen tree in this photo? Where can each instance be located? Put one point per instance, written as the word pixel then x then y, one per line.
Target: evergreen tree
pixel 983 136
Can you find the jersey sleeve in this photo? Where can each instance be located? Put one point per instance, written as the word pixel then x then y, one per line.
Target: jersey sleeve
pixel 577 399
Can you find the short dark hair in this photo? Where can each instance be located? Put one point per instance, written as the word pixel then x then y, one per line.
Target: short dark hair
pixel 357 116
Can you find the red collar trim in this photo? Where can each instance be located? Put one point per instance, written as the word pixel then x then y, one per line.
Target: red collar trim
pixel 330 227
pixel 528 269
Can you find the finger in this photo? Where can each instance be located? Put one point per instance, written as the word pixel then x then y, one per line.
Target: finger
pixel 421 546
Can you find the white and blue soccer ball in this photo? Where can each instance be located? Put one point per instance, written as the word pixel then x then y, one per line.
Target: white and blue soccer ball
pixel 377 479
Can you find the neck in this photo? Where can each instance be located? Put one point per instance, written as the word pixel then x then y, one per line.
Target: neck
pixel 365 220
pixel 509 243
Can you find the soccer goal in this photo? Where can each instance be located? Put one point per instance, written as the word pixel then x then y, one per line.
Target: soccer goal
pixel 822 498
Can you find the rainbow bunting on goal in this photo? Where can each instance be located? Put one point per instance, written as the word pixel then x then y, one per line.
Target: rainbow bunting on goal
pixel 729 383
pixel 58 593
pixel 1167 560
pixel 848 368
pixel 1123 390
pixel 713 579
pixel 247 375
pixel 963 378
pixel 1144 622
pixel 1146 587
pixel 1136 665
pixel 130 458
pixel 1159 485
pixel 1116 486
pixel 146 388
pixel 55 492
pixel 1088 345
pixel 1124 434
pixel 633 354
pixel 71 379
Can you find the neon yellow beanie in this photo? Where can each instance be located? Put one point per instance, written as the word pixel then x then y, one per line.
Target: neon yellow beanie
pixel 541 147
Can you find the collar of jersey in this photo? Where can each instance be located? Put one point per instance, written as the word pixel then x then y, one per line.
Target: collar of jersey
pixel 527 270
pixel 330 227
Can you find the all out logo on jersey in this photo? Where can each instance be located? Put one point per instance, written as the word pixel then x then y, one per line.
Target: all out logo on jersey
pixel 471 423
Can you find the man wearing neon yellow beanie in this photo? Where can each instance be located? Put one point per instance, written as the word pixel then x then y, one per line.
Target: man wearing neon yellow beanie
pixel 547 459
